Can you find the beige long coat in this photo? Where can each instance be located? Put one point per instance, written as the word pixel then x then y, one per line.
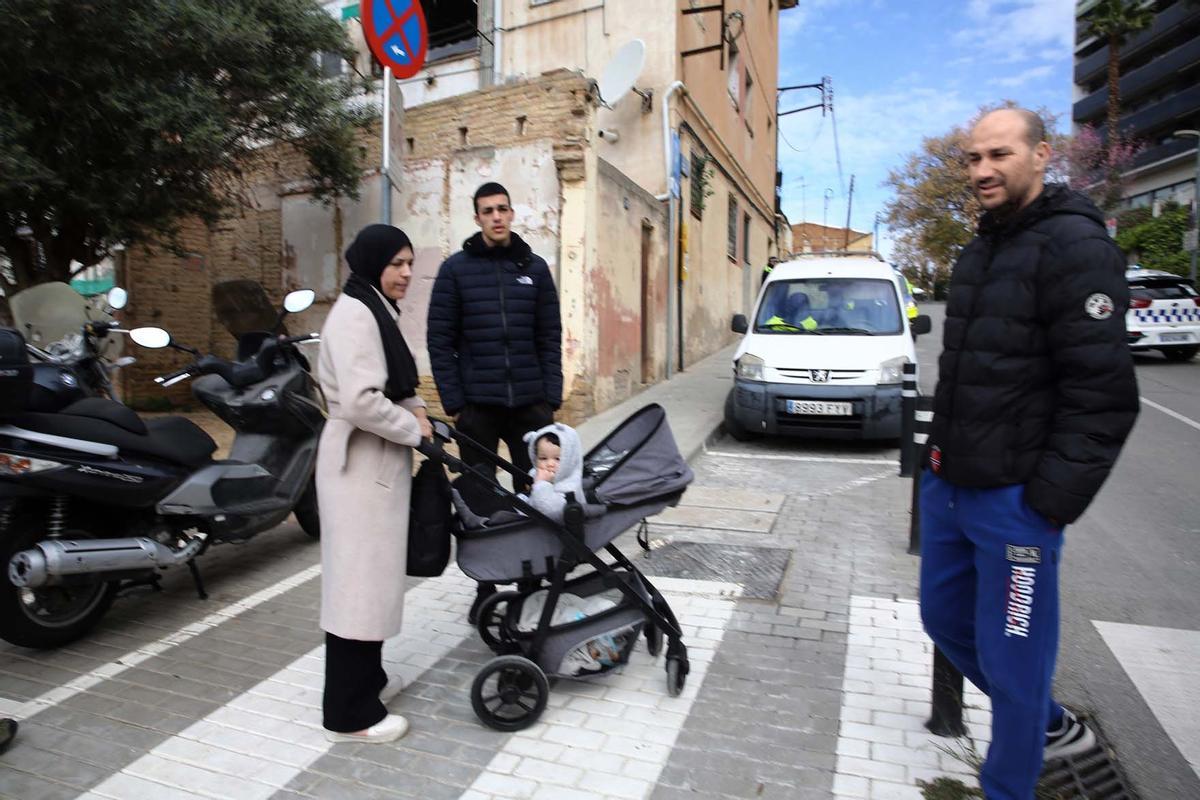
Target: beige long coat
pixel 364 478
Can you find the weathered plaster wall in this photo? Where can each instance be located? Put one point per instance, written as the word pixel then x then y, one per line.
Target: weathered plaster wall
pixel 627 290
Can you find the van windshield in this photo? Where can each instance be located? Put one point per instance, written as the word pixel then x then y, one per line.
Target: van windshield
pixel 830 306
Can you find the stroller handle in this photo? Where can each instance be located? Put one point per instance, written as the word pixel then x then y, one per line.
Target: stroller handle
pixel 444 432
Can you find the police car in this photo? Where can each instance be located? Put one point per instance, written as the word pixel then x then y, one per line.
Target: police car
pixel 1164 314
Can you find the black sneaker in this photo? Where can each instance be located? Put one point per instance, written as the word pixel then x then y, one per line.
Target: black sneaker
pixel 484 591
pixel 1071 738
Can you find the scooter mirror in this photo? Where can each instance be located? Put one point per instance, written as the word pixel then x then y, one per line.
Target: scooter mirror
pixel 117 298
pixel 299 300
pixel 153 338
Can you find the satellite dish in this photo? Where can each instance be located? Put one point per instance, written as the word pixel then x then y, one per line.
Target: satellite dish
pixel 620 73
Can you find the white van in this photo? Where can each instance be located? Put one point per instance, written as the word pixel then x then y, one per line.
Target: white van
pixel 826 353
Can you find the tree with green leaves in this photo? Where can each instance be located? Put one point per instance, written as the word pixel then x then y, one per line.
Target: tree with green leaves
pixel 1156 242
pixel 1113 21
pixel 121 118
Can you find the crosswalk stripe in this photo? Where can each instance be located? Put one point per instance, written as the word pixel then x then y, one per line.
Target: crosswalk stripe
pixel 612 735
pixel 254 745
pixel 883 747
pixel 147 651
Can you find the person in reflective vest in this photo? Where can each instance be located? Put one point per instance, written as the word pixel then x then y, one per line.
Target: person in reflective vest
pixel 796 314
pixel 766 273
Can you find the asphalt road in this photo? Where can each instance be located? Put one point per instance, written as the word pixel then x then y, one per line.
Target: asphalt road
pixel 1133 558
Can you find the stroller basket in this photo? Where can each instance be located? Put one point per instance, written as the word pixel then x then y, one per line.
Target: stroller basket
pixel 563 639
pixel 635 472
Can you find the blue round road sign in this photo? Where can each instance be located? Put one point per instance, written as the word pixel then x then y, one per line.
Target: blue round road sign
pixel 397 34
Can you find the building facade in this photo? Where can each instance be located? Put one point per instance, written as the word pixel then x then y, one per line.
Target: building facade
pixel 1160 94
pixel 654 210
pixel 722 60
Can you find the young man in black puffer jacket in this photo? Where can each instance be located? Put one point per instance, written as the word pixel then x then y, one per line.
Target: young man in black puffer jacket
pixel 495 338
pixel 1035 397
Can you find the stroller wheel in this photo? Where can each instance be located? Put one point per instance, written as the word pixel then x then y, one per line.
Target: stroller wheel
pixel 676 676
pixel 491 625
pixel 509 693
pixel 654 639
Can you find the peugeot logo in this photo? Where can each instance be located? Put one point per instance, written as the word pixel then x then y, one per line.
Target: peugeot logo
pixel 819 375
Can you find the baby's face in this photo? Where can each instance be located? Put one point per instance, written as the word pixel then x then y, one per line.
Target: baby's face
pixel 547 456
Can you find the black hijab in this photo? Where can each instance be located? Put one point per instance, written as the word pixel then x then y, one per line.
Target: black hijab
pixel 371 251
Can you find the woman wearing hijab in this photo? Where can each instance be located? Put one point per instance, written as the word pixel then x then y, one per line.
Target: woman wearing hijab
pixel 364 474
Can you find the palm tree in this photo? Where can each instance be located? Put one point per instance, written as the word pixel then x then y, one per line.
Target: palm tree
pixel 1113 20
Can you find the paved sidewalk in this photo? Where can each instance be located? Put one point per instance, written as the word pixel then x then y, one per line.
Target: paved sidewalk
pixel 818 692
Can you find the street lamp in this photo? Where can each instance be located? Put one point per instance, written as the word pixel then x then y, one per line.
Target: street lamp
pixel 1195 195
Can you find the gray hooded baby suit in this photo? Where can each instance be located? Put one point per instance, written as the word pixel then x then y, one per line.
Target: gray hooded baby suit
pixel 550 498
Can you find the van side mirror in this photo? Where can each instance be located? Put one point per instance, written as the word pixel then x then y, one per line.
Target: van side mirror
pixel 922 324
pixel 739 323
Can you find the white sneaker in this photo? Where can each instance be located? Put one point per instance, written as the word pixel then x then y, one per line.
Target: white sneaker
pixel 388 729
pixel 1070 739
pixel 395 686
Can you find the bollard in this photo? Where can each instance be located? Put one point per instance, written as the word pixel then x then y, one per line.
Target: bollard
pixel 914 521
pixel 908 417
pixel 946 719
pixel 947 689
pixel 922 424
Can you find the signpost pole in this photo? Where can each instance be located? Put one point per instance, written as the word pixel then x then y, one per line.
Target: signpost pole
pixel 385 176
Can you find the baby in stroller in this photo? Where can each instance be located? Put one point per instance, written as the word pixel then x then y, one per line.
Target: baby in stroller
pixel 557 457
pixel 573 613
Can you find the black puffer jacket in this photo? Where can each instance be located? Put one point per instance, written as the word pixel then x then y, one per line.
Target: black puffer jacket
pixel 494 332
pixel 1036 383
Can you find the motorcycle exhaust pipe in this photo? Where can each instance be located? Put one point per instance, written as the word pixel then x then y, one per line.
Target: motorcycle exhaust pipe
pixel 50 560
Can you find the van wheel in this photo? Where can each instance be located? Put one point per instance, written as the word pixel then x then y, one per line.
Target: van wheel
pixel 1180 353
pixel 732 426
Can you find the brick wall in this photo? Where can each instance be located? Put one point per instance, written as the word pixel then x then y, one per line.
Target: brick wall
pixel 174 292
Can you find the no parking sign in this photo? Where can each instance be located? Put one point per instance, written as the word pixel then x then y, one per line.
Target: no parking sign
pixel 397 34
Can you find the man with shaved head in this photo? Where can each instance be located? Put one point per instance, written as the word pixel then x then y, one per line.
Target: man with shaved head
pixel 1036 394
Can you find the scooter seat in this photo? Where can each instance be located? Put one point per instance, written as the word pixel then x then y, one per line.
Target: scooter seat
pixel 174 439
pixel 109 411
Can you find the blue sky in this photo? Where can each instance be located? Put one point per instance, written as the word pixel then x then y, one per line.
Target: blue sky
pixel 902 71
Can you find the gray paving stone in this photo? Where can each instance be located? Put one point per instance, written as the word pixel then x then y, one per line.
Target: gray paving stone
pixel 23 786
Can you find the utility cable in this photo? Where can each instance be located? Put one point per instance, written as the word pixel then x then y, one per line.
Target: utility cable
pixel 837 150
pixel 817 135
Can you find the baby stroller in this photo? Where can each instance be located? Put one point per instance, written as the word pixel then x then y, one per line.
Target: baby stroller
pixel 635 472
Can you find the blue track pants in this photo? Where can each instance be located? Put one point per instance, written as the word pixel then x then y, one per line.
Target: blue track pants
pixel 989 601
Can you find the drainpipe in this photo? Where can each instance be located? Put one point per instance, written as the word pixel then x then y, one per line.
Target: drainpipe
pixel 497 64
pixel 672 215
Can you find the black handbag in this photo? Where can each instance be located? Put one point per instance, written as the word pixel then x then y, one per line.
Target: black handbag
pixel 429 522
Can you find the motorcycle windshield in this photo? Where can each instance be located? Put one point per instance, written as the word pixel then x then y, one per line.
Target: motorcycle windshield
pixel 243 308
pixel 49 312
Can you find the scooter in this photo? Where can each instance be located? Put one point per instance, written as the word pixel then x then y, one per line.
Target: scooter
pixel 95 500
pixel 69 344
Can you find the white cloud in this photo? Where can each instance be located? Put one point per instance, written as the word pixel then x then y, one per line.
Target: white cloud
pixel 1015 30
pixel 1022 78
pixel 876 129
pixel 794 20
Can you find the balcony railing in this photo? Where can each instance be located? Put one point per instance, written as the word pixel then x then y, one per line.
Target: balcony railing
pixel 1153 155
pixel 1178 106
pixel 1166 23
pixel 1142 80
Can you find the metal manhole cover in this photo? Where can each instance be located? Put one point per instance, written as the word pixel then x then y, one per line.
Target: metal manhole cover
pixel 1092 775
pixel 759 570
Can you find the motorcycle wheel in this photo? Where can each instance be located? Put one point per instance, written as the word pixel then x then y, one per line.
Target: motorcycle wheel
pixel 307 513
pixel 53 615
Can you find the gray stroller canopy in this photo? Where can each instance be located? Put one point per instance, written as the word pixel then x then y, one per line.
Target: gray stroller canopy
pixel 637 461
